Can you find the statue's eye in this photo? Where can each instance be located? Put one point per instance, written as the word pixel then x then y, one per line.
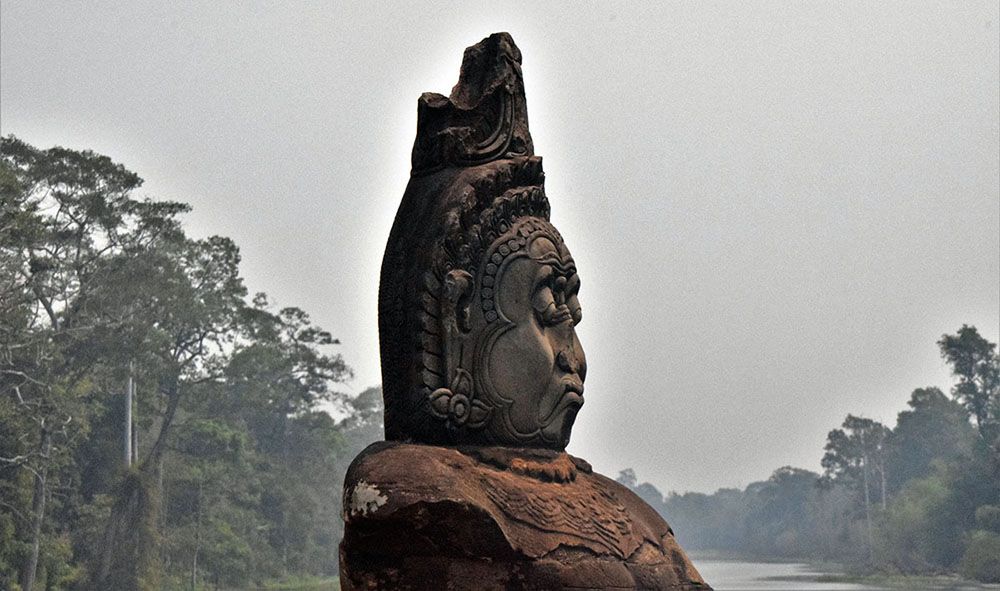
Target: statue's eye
pixel 549 299
pixel 544 304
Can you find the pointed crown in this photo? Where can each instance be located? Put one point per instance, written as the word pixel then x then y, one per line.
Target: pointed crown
pixel 474 172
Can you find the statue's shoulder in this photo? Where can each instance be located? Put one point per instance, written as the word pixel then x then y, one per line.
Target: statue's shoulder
pixel 403 499
pixel 640 511
pixel 388 476
pixel 537 500
pixel 543 514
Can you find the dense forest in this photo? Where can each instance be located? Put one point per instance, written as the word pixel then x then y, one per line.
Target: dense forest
pixel 920 498
pixel 159 427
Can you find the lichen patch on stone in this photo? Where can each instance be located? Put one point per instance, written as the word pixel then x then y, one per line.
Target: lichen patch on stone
pixel 366 499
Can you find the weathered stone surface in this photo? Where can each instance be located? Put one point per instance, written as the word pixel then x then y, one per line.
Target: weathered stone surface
pixel 500 518
pixel 483 377
pixel 466 357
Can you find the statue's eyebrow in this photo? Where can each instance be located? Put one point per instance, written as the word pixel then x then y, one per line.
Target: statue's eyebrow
pixel 550 260
pixel 565 268
pixel 545 271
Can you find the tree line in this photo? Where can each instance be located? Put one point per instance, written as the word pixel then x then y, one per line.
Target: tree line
pixel 922 497
pixel 160 427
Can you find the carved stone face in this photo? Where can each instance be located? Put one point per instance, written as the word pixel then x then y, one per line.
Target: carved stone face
pixel 477 296
pixel 528 362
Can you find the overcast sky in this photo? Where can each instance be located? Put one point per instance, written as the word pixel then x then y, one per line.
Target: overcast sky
pixel 776 210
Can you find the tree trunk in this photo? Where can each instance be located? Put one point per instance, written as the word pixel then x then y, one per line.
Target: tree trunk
pixel 129 389
pixel 159 493
pixel 121 534
pixel 37 514
pixel 197 544
pixel 173 400
pixel 882 473
pixel 868 511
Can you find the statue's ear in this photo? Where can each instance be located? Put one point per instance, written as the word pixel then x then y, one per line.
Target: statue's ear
pixel 457 291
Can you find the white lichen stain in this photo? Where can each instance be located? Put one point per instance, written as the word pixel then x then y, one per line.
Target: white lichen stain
pixel 366 499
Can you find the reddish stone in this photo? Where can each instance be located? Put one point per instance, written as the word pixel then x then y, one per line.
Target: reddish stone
pixel 428 517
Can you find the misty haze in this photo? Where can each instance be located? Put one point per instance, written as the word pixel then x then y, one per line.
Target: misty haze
pixel 785 220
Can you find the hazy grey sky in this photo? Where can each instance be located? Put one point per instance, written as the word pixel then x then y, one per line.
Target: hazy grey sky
pixel 776 208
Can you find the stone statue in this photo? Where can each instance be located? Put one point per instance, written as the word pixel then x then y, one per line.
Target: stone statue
pixel 483 377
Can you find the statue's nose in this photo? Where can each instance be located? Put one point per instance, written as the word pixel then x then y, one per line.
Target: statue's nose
pixel 566 362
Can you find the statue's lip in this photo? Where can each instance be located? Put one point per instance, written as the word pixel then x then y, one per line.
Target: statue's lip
pixel 572 397
pixel 573 391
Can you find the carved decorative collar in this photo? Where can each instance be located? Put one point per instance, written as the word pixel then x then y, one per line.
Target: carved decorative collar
pixel 541 464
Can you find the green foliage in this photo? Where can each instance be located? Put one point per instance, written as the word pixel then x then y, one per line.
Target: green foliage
pixel 239 464
pixel 921 498
pixel 132 526
pixel 919 532
pixel 855 453
pixel 788 515
pixel 935 428
pixel 988 518
pixel 975 363
pixel 981 560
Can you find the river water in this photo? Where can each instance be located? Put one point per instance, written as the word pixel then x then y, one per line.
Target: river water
pixel 733 575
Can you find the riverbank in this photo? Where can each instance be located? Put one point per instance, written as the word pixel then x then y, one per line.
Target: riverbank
pixel 934 582
pixel 305 584
pixel 726 572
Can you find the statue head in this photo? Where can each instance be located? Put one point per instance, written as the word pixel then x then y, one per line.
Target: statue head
pixel 478 294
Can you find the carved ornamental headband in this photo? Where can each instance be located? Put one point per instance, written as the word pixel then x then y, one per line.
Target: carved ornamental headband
pixel 474 203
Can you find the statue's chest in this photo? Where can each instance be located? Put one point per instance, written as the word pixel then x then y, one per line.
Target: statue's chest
pixel 580 511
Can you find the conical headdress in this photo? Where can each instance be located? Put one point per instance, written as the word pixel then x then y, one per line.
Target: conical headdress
pixel 473 173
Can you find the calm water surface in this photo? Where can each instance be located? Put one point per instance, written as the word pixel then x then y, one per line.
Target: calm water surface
pixel 735 575
pixel 731 575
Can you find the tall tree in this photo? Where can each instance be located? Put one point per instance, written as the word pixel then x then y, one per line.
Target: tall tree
pixel 238 454
pixel 64 215
pixel 181 325
pixel 934 428
pixel 975 362
pixel 856 454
